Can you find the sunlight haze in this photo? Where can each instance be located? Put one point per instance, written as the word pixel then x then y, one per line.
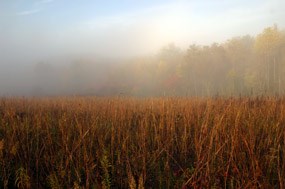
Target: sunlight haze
pixel 39 29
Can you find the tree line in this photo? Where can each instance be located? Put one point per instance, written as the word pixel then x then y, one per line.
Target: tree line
pixel 243 65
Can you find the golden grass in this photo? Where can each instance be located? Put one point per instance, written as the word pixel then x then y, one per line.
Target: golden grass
pixel 142 143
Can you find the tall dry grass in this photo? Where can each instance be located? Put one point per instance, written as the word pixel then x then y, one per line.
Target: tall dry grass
pixel 142 143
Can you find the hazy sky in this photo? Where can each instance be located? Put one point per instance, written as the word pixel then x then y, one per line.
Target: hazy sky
pixel 34 30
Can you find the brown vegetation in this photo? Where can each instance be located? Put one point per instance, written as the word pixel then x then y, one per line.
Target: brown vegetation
pixel 142 143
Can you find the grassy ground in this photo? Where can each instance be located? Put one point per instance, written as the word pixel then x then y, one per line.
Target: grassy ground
pixel 142 143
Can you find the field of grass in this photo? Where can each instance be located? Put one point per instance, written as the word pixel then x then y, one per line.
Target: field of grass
pixel 142 143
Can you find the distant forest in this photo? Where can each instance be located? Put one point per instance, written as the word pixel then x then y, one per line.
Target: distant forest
pixel 243 65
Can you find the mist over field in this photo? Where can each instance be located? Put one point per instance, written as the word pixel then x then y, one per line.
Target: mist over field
pixel 145 48
pixel 142 94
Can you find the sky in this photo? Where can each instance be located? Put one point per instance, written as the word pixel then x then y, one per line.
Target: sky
pixel 34 30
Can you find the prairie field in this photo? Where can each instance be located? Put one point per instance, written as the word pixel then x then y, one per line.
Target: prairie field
pixel 124 142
